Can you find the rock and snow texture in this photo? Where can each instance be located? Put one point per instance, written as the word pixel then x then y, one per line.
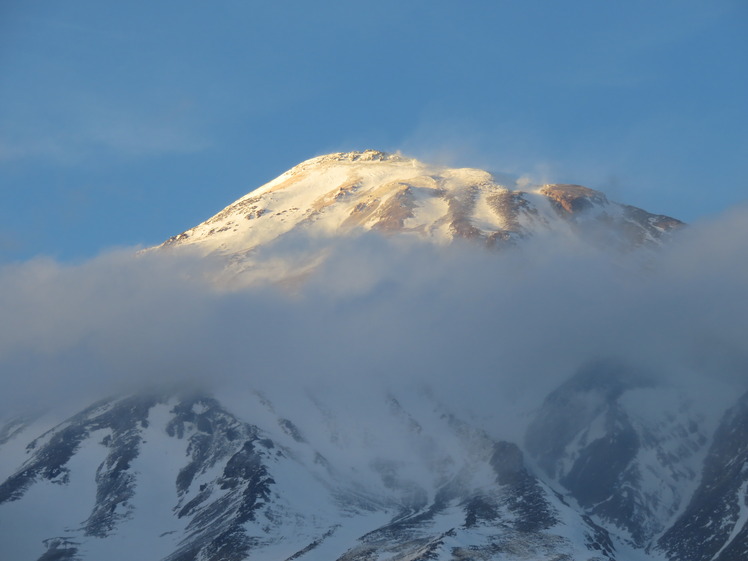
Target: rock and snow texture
pixel 715 524
pixel 626 449
pixel 181 478
pixel 345 194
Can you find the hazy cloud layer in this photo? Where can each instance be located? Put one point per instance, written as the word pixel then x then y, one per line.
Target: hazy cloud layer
pixel 485 329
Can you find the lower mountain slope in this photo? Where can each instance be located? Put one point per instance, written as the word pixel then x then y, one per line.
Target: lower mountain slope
pixel 627 449
pixel 181 478
pixel 715 523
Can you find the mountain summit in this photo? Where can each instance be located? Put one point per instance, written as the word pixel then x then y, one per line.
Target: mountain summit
pixel 347 193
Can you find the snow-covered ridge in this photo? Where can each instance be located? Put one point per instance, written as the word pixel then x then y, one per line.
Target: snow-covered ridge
pixel 345 194
pixel 356 156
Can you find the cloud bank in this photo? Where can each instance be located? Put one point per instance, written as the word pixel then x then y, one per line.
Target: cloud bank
pixel 484 330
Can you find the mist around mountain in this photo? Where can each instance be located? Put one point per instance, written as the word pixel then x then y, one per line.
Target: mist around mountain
pixel 592 382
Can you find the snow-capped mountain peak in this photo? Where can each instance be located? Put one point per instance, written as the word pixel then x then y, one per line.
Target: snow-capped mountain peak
pixel 344 194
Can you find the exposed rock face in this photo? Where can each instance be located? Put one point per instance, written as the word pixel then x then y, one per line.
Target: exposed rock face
pixel 715 523
pixel 623 470
pixel 572 199
pixel 121 427
pixel 114 484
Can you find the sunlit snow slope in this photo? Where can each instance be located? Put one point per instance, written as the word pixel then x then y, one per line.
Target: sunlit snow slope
pixel 345 193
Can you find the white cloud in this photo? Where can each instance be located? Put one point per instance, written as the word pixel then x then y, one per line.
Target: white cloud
pixel 487 330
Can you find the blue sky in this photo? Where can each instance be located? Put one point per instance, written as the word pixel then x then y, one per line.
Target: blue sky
pixel 125 123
